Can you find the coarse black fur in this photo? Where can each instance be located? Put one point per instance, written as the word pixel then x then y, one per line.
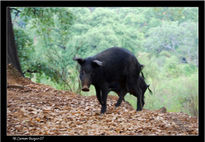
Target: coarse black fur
pixel 121 92
pixel 112 66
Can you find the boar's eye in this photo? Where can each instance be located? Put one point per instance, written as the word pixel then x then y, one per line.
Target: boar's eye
pixel 82 72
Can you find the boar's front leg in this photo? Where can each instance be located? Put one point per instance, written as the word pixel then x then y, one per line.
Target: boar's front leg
pixel 104 100
pixel 99 94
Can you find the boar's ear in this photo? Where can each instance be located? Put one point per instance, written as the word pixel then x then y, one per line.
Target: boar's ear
pixel 97 63
pixel 79 60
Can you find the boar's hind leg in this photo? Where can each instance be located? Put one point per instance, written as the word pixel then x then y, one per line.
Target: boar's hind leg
pixel 143 100
pixel 139 100
pixel 121 98
pixel 104 101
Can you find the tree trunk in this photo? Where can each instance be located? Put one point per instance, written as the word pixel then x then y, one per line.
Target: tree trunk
pixel 12 54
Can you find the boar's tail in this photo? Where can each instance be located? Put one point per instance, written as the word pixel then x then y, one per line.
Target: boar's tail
pixel 150 90
pixel 142 75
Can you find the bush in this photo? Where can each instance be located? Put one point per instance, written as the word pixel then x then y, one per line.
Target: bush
pixel 177 95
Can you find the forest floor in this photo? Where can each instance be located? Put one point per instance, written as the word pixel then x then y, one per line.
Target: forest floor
pixel 37 109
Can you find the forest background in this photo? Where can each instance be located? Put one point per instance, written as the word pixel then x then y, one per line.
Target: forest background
pixel 164 40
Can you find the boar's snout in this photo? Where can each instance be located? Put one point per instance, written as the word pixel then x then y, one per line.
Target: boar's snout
pixel 85 88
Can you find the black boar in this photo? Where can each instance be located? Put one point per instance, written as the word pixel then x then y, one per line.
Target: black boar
pixel 112 66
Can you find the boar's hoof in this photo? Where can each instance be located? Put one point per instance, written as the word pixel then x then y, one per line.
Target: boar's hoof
pixel 103 110
pixel 139 109
pixel 117 105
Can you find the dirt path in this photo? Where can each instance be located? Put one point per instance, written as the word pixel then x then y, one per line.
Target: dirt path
pixel 37 109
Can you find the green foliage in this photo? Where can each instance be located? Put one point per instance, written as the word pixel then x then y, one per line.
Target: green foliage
pixel 25 49
pixel 48 39
pixel 181 97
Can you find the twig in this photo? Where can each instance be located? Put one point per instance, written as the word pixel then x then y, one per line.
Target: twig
pixel 15 86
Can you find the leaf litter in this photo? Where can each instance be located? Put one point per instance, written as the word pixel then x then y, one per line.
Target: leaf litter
pixel 37 109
